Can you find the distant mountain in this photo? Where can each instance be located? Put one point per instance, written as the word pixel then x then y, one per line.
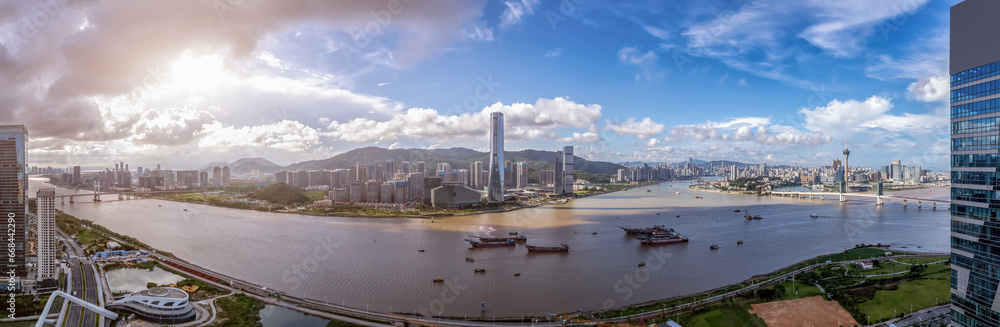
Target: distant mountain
pixel 458 158
pixel 245 165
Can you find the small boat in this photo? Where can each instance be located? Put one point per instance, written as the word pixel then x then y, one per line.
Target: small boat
pixel 749 217
pixel 560 248
pixel 739 242
pixel 470 259
pixel 737 210
pixel 185 209
pixel 159 205
pixel 483 244
pixel 480 270
pixel 517 274
pixel 678 192
pixel 595 233
pixel 439 280
pixel 697 197
pixel 512 233
pixel 421 250
pixel 657 213
pixel 814 215
pixel 647 190
pixel 714 247
pixel 642 264
pixel 678 216
pixel 519 238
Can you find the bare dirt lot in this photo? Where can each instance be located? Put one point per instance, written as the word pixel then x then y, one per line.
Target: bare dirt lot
pixel 810 311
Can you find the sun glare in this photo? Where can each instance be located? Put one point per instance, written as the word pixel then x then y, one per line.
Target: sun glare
pixel 193 73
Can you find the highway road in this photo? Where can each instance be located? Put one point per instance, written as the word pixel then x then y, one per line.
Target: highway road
pixel 84 286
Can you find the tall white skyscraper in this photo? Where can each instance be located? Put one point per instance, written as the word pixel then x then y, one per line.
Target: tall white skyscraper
pixel 567 163
pixel 47 234
pixel 495 185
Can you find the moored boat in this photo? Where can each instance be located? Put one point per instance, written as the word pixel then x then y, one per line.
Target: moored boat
pixel 677 238
pixel 749 217
pixel 560 248
pixel 519 238
pixel 714 247
pixel 814 215
pixel 479 244
pixel 480 270
pixel 439 280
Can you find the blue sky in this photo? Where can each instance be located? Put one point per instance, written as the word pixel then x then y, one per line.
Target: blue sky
pixel 753 81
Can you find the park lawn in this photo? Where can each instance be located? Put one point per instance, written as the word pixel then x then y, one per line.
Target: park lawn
pixel 804 290
pixel 87 236
pixel 921 293
pixel 201 197
pixel 726 316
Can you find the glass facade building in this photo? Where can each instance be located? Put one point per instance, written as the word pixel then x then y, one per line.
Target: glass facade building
pixel 13 196
pixel 975 142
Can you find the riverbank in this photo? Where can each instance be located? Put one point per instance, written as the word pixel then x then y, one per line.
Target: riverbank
pixel 346 211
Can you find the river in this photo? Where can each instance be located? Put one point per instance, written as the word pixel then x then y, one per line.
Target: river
pixel 374 263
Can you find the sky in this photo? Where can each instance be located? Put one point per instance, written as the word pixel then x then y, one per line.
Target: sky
pixel 183 83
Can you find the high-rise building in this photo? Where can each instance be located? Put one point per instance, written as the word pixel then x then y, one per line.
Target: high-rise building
pixel 975 230
pixel 405 167
pixel 47 246
pixel 521 169
pixel 216 176
pixel 558 179
pixel 444 171
pixel 76 176
pixel 836 164
pixel 372 171
pixel 422 167
pixel 495 183
pixel 281 176
pixel 476 173
pixel 14 194
pixel 225 176
pixel 568 179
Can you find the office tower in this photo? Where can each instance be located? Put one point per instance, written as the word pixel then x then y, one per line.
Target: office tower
pixel 847 167
pixel 568 179
pixel 975 231
pixel 416 185
pixel 558 178
pixel 522 174
pixel 225 176
pixel 495 183
pixel 47 246
pixel 390 170
pixel 422 167
pixel 405 167
pixel 14 194
pixel 476 174
pixel 76 176
pixel 444 171
pixel 216 176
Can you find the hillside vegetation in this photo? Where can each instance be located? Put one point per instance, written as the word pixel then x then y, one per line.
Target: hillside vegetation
pixel 281 193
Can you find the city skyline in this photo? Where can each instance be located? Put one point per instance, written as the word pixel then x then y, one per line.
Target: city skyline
pixel 643 85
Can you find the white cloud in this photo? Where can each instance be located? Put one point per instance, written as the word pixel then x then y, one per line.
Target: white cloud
pixel 553 52
pixel 870 118
pixel 480 33
pixel 748 129
pixel 659 33
pixel 394 145
pixel 930 89
pixel 585 137
pixel 642 129
pixel 521 120
pixel 516 11
pixel 653 142
pixel 723 78
pixel 634 56
pixel 743 82
pixel 843 25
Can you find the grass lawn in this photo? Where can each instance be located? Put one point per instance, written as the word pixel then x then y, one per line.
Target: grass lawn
pixel 86 236
pixel 200 197
pixel 804 290
pixel 726 316
pixel 316 195
pixel 921 293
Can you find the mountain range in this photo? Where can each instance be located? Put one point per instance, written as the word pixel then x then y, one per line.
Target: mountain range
pixel 458 158
pixel 245 165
